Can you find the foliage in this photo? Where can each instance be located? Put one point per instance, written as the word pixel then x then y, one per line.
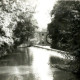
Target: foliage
pixel 16 22
pixel 64 29
pixel 24 30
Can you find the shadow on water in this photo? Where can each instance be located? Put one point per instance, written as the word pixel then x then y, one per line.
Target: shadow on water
pixel 17 66
pixel 60 72
pixel 17 77
pixel 17 58
pixel 63 75
pixel 32 64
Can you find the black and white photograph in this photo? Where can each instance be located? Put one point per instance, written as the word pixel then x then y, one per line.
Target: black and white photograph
pixel 39 39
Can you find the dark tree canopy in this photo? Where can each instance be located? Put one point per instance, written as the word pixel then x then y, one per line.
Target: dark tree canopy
pixel 24 30
pixel 64 29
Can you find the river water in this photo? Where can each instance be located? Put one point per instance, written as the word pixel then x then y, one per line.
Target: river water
pixel 32 64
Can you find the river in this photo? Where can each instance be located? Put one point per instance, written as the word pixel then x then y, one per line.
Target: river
pixel 32 64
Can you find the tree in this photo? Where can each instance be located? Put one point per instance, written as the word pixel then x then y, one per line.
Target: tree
pixel 64 28
pixel 24 29
pixel 16 24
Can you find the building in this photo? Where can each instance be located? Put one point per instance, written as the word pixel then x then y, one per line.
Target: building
pixel 40 38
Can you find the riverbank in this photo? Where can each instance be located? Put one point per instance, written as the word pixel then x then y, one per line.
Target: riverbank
pixel 35 63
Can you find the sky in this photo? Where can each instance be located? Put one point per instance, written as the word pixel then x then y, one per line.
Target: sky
pixel 43 8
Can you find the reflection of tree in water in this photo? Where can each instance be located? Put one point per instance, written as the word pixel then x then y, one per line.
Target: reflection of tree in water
pixel 63 75
pixel 15 77
pixel 27 57
pixel 19 57
pixel 28 76
pixel 23 57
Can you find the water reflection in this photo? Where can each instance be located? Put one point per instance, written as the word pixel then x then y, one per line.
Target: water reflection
pixel 31 64
pixel 41 67
pixel 63 75
pixel 19 57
